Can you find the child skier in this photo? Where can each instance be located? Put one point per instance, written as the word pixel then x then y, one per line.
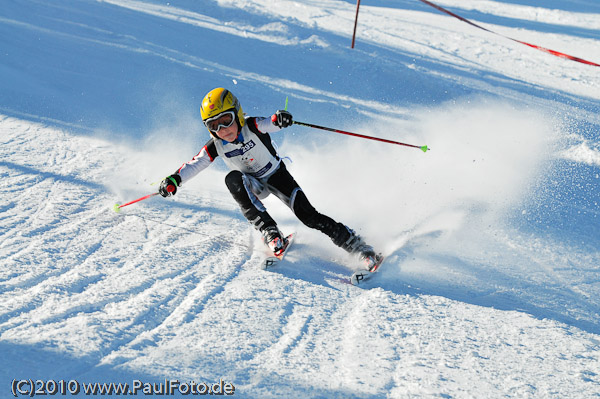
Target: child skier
pixel 257 171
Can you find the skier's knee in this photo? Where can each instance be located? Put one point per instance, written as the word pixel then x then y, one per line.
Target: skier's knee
pixel 234 181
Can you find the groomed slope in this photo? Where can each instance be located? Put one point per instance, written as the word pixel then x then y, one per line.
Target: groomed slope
pixel 171 289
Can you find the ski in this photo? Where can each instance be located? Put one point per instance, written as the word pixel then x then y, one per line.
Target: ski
pixel 272 259
pixel 360 276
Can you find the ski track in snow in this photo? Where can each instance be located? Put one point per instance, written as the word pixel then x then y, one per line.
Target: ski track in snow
pixel 472 300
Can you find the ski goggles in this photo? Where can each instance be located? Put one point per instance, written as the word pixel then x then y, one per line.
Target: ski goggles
pixel 224 119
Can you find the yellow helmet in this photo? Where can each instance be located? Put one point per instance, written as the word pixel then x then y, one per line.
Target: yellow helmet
pixel 218 101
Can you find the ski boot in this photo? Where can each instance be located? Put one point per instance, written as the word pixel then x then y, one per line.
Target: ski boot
pixel 274 240
pixel 366 253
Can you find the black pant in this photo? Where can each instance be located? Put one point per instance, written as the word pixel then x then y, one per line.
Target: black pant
pixel 246 190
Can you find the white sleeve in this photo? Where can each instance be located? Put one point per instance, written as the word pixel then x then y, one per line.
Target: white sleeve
pixel 264 125
pixel 200 162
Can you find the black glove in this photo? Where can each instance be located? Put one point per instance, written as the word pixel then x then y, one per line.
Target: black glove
pixel 169 185
pixel 282 118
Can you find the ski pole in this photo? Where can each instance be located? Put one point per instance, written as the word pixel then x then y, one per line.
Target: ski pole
pixel 423 148
pixel 117 207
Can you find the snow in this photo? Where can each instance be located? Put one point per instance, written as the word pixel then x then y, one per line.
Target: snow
pixel 490 287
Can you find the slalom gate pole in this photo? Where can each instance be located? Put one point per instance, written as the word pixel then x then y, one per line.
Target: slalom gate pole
pixel 355 23
pixel 423 148
pixel 117 207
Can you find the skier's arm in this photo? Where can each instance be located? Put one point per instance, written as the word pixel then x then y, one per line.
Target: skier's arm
pixel 189 169
pixel 200 162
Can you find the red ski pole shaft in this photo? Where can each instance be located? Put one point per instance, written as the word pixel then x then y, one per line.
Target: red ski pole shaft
pixel 118 207
pixel 423 148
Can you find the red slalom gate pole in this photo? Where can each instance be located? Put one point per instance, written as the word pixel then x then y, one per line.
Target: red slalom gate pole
pixel 535 46
pixel 423 148
pixel 117 207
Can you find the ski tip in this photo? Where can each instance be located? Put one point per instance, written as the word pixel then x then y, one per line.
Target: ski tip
pixel 425 148
pixel 360 277
pixel 117 208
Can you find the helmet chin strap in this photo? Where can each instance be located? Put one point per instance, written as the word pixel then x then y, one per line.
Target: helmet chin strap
pixel 239 130
pixel 238 123
pixel 239 133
